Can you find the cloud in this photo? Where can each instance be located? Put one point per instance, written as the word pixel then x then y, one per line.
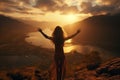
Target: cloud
pixel 18 6
pixel 9 6
pixel 101 7
pixel 55 5
pixel 44 5
pixel 41 7
pixel 94 7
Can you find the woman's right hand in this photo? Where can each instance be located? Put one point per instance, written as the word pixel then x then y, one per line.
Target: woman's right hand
pixel 40 29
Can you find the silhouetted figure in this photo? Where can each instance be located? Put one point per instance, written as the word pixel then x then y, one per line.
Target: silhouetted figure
pixel 58 39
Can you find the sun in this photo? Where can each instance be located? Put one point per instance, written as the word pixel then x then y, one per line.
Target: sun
pixel 70 18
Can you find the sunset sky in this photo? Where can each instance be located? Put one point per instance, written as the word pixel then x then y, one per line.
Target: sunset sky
pixel 63 11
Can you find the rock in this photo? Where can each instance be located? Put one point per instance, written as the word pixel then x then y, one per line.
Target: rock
pixel 93 60
pixel 110 68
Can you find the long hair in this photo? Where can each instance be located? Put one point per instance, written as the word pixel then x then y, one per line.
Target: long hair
pixel 58 36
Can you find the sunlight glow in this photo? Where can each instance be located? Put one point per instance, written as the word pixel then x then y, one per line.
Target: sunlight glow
pixel 68 46
pixel 37 15
pixel 68 49
pixel 68 41
pixel 71 18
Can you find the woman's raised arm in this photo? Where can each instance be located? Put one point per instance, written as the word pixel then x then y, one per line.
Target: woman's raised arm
pixel 46 36
pixel 69 37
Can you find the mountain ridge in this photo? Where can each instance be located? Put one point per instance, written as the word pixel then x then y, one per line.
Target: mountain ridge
pixel 100 30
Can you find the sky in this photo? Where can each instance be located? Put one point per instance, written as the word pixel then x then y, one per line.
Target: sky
pixel 63 11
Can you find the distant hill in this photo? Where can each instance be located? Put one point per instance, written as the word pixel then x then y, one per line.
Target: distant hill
pixel 101 30
pixel 14 50
pixel 8 24
pixel 12 31
pixel 12 37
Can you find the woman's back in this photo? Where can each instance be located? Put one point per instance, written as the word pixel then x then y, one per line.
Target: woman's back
pixel 59 57
pixel 58 36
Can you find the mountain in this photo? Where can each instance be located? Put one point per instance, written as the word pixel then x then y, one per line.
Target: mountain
pixel 12 36
pixel 12 28
pixel 101 30
pixel 14 50
pixel 12 33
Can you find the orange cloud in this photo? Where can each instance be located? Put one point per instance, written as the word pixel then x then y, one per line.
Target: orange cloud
pixel 64 7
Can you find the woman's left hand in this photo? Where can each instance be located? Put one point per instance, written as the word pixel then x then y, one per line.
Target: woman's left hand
pixel 78 31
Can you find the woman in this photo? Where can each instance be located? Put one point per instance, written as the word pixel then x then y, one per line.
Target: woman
pixel 58 39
